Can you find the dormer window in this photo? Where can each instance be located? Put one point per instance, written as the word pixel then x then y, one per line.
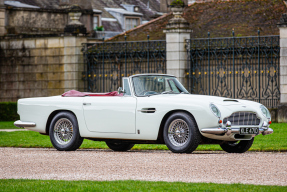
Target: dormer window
pixel 96 21
pixel 131 22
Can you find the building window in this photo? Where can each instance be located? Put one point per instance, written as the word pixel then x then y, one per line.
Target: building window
pixel 131 23
pixel 96 22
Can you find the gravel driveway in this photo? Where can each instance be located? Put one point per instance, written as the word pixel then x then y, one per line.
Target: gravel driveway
pixel 217 167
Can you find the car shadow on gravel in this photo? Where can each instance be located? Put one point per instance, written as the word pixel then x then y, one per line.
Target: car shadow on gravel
pixel 150 151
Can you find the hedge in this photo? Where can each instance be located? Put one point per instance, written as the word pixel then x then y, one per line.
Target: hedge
pixel 8 111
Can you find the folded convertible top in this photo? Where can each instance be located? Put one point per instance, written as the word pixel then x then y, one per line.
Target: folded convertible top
pixel 74 93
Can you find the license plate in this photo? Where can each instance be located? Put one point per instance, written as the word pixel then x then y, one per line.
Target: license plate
pixel 249 130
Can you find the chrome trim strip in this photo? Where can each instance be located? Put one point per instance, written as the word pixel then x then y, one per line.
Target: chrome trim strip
pixel 148 74
pixel 215 131
pixel 228 131
pixel 147 110
pixel 24 124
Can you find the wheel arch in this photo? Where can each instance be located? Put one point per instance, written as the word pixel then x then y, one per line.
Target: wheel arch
pixel 52 115
pixel 166 116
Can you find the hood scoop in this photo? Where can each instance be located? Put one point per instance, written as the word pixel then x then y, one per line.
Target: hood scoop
pixel 230 100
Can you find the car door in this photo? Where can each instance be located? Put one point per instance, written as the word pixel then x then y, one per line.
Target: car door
pixel 110 114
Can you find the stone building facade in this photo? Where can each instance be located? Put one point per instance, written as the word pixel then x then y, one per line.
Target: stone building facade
pixel 37 56
pixel 35 67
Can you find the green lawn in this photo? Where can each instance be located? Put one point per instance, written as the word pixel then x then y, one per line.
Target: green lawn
pixel 8 125
pixel 274 142
pixel 52 185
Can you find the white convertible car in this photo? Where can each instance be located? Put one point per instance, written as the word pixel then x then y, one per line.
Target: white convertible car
pixel 150 108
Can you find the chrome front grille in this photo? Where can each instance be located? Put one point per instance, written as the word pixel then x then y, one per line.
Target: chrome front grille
pixel 242 118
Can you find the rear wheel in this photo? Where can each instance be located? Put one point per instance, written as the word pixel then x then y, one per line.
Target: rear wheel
pixel 119 146
pixel 180 133
pixel 64 132
pixel 237 147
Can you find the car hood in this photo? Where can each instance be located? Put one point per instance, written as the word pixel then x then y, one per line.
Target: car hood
pixel 205 100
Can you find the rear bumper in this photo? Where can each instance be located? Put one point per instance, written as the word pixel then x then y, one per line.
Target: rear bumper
pixel 24 124
pixel 228 131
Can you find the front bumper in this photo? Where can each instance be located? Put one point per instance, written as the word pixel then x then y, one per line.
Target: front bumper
pixel 24 124
pixel 228 131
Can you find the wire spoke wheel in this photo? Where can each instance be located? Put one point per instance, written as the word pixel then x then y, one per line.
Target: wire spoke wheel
pixel 63 131
pixel 178 132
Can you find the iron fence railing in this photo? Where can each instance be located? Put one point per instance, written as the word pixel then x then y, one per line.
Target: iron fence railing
pixel 108 62
pixel 235 67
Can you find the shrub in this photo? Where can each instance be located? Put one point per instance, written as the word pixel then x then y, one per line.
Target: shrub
pixel 99 28
pixel 8 111
pixel 176 3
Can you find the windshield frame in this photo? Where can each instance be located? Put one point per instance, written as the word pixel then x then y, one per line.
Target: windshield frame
pixel 167 76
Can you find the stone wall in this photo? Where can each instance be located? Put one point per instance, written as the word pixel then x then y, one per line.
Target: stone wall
pixel 40 67
pixel 2 21
pixel 26 21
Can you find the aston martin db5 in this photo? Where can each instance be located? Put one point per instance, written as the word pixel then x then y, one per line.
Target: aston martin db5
pixel 150 109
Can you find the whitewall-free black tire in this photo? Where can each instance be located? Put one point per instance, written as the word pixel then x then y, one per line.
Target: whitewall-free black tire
pixel 237 147
pixel 119 146
pixel 64 132
pixel 180 133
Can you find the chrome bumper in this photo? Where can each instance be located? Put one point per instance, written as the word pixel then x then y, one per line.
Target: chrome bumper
pixel 228 131
pixel 24 124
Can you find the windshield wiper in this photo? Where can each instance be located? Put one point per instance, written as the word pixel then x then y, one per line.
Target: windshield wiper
pixel 152 94
pixel 165 92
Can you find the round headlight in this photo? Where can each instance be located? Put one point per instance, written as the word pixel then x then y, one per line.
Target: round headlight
pixel 215 110
pixel 265 111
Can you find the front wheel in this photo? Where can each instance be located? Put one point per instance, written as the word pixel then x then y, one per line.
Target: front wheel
pixel 237 147
pixel 180 133
pixel 64 132
pixel 119 146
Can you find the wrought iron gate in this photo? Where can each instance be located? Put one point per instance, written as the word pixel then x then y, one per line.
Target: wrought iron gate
pixel 107 62
pixel 235 67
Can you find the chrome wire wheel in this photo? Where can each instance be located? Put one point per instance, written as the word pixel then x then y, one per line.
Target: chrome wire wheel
pixel 63 131
pixel 178 132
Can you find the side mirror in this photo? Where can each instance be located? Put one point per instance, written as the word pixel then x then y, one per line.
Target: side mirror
pixel 120 90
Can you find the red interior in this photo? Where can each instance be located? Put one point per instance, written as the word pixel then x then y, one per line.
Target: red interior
pixel 74 93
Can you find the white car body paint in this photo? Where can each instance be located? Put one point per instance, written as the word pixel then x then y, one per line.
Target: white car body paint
pixel 121 117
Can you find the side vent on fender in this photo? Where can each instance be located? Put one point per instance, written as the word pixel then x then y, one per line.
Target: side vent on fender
pixel 147 110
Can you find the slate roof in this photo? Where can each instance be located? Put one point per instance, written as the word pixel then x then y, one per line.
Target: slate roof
pixel 123 11
pixel 147 13
pixel 55 4
pixel 154 5
pixel 112 26
pixel 98 6
pixel 19 4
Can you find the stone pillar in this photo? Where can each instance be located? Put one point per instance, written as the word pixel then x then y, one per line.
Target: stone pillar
pixel 282 109
pixel 2 18
pixel 177 31
pixel 75 27
pixel 73 63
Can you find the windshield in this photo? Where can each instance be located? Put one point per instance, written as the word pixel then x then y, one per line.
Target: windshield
pixel 147 85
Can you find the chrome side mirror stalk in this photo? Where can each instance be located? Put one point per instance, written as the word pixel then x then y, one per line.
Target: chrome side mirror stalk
pixel 120 90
